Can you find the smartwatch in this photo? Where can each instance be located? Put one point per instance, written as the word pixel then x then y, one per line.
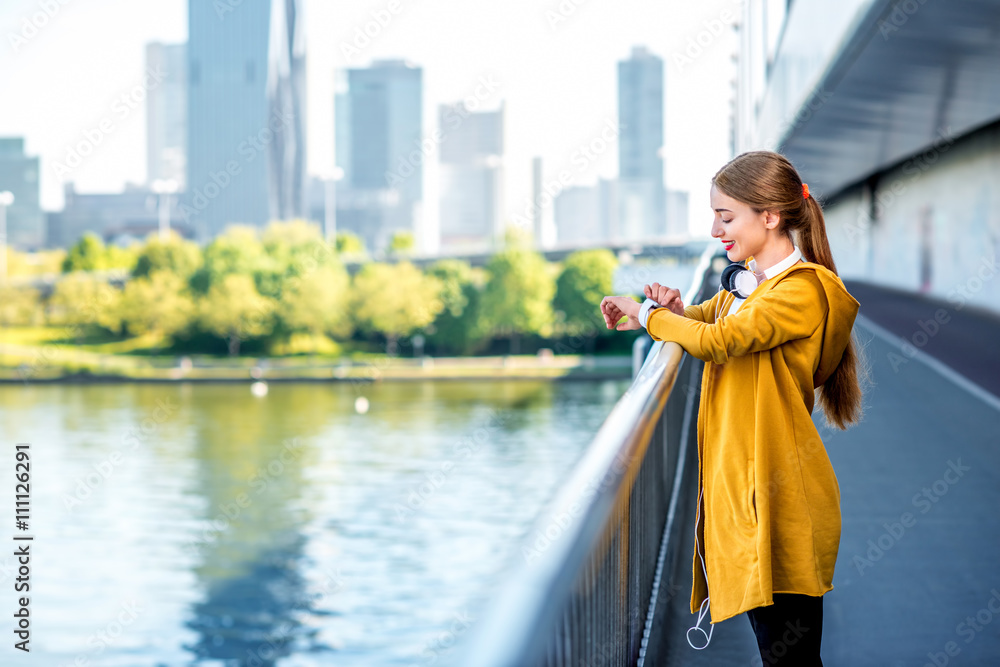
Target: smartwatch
pixel 645 309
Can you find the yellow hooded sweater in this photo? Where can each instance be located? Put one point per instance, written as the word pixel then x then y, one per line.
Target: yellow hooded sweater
pixel 770 517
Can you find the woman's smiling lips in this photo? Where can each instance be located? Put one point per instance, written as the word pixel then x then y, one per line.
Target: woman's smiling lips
pixel 728 244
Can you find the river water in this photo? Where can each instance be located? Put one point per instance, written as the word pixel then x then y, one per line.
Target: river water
pixel 201 525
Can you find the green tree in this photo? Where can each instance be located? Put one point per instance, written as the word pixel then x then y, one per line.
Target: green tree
pixel 87 254
pixel 117 257
pixel 455 327
pixel 518 295
pixel 317 303
pixel 175 254
pixel 402 243
pixel 238 251
pixel 293 249
pixel 157 305
pixel 34 263
pixel 81 301
pixel 19 306
pixel 296 246
pixel 395 300
pixel 234 311
pixel 584 281
pixel 349 244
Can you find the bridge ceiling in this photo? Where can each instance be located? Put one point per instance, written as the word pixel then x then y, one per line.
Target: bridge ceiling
pixel 912 75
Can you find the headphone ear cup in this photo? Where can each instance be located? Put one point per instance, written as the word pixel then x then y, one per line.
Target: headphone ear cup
pixel 729 277
pixel 738 280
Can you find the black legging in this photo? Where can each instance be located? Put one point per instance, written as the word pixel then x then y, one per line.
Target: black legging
pixel 789 631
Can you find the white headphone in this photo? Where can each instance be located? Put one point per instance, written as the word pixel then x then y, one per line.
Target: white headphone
pixel 739 281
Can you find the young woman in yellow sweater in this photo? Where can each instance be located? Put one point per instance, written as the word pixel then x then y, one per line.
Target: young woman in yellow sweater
pixel 768 517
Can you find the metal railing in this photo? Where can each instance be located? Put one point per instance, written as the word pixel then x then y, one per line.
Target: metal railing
pixel 585 590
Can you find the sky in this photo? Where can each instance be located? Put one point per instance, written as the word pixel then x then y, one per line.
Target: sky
pixel 67 70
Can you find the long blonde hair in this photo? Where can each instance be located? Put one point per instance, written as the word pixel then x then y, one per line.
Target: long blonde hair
pixel 767 181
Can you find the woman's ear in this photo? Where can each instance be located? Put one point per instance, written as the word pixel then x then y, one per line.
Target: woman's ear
pixel 772 219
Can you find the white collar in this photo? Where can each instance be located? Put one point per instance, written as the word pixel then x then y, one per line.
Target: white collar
pixel 772 271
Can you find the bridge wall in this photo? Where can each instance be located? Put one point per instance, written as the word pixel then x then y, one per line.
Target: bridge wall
pixel 929 224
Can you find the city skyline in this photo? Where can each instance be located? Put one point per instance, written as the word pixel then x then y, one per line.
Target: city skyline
pixel 558 86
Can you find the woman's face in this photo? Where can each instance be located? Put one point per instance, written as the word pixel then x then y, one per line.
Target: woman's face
pixel 742 231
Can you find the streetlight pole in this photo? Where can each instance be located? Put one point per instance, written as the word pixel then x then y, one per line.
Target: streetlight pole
pixel 165 190
pixel 6 199
pixel 330 217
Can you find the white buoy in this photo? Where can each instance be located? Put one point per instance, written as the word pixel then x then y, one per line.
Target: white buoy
pixel 259 389
pixel 361 405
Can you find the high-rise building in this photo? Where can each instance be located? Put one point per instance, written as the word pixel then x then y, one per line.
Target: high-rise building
pixel 379 121
pixel 246 154
pixel 166 114
pixel 578 215
pixel 471 177
pixel 586 215
pixel 641 192
pixel 19 176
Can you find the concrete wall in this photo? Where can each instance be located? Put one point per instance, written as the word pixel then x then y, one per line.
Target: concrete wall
pixel 930 224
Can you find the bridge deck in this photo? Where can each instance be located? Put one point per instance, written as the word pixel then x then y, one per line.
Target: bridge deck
pixel 905 600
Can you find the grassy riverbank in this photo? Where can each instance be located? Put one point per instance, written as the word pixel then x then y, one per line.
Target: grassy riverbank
pixel 50 354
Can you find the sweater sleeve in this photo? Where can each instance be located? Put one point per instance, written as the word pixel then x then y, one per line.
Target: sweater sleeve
pixel 793 308
pixel 703 312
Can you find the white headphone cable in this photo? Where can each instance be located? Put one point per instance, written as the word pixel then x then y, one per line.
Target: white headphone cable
pixel 706 605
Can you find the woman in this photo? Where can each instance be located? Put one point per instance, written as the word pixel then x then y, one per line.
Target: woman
pixel 768 517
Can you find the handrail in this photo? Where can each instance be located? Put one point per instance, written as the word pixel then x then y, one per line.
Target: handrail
pixel 576 525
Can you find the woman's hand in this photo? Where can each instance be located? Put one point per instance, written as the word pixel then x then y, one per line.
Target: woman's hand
pixel 665 296
pixel 616 307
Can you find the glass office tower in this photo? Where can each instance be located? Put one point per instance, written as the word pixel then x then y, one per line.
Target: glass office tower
pixel 246 114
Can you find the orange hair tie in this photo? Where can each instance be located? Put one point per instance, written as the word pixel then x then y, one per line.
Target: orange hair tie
pixel 805 191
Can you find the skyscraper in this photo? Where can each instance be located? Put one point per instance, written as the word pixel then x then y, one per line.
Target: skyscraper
pixel 166 117
pixel 379 120
pixel 642 194
pixel 471 176
pixel 246 113
pixel 19 175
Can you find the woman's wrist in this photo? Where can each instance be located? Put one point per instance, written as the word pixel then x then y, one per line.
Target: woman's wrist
pixel 645 309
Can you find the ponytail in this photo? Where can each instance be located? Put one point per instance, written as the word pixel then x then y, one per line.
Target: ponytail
pixel 840 395
pixel 767 181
